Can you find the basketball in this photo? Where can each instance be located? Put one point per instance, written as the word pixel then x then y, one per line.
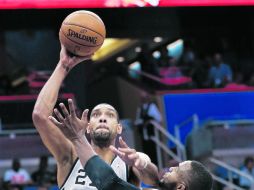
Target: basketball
pixel 82 32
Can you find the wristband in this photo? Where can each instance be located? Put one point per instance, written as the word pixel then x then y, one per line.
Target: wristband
pixel 145 158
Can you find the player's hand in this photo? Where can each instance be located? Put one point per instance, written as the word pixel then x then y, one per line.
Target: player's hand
pixel 130 156
pixel 69 60
pixel 72 127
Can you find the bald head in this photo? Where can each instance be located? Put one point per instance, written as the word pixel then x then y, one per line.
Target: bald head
pixel 105 106
pixel 199 178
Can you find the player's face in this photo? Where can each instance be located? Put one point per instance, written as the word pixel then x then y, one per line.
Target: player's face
pixel 103 126
pixel 174 176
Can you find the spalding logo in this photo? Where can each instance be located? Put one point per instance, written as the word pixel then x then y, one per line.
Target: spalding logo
pixel 89 39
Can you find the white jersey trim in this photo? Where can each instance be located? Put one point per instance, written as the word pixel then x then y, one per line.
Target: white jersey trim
pixel 77 179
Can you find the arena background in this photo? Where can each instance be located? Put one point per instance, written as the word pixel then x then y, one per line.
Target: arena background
pixel 213 123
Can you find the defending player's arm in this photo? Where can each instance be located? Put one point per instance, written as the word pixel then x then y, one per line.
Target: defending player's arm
pixel 52 137
pixel 99 172
pixel 148 173
pixel 140 163
pixel 104 177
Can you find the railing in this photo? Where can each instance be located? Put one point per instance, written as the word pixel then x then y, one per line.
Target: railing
pixel 159 130
pixel 232 170
pixel 181 152
pixel 195 120
pixel 228 123
pixel 145 74
pixel 226 183
pixel 18 132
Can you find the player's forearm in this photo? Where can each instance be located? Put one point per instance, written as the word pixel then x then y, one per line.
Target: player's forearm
pixel 48 96
pixel 83 149
pixel 104 177
pixel 150 174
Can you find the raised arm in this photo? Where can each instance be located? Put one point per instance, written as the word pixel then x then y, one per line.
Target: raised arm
pixel 51 136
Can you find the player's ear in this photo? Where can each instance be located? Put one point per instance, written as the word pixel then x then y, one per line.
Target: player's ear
pixel 119 129
pixel 181 186
pixel 88 128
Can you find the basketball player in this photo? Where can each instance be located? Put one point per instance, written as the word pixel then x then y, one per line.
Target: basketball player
pixel 103 131
pixel 189 175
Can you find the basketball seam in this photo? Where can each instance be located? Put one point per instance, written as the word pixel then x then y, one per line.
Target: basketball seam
pixel 90 14
pixel 67 23
pixel 77 42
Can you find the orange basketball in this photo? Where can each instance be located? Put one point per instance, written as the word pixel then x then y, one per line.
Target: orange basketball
pixel 82 32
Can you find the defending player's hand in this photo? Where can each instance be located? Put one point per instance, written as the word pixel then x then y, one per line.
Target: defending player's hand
pixel 69 60
pixel 71 126
pixel 131 156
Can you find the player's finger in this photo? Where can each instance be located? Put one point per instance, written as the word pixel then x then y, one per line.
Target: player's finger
pixel 64 110
pixel 127 150
pixel 123 143
pixel 133 156
pixel 116 151
pixel 137 162
pixel 84 115
pixel 72 108
pixel 59 115
pixel 54 120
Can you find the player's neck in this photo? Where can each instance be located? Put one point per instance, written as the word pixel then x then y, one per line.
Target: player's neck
pixel 105 153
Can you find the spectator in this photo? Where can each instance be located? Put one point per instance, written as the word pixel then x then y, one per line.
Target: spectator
pixel 188 57
pixel 146 112
pixel 171 70
pixel 248 169
pixel 16 176
pixel 171 74
pixel 199 73
pixel 222 173
pixel 237 82
pixel 220 73
pixel 163 59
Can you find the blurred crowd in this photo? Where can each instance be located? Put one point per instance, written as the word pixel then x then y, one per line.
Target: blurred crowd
pixel 19 178
pixel 220 68
pixel 247 167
